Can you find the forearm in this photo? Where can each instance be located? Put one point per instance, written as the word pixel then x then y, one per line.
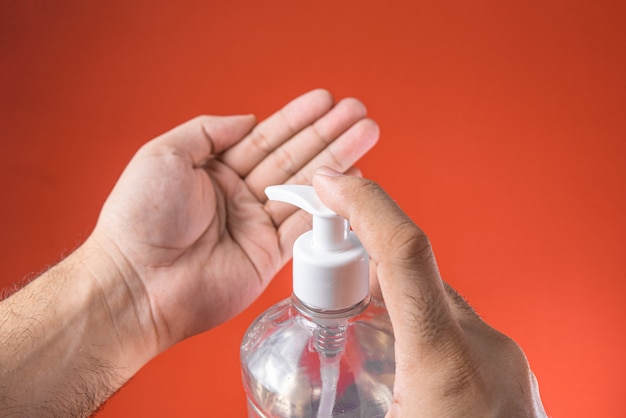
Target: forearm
pixel 62 350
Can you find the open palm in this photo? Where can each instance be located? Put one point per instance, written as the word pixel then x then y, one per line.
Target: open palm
pixel 190 218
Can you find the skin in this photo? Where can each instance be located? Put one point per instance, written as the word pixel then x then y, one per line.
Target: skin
pixel 187 240
pixel 449 363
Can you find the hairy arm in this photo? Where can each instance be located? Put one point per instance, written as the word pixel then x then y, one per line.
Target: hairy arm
pixel 62 352
pixel 184 242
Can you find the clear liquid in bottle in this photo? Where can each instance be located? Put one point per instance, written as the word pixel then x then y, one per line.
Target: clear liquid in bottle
pixel 297 362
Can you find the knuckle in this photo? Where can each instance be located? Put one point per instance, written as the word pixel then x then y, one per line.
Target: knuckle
pixel 319 133
pixel 287 119
pixel 411 243
pixel 284 160
pixel 333 161
pixel 260 140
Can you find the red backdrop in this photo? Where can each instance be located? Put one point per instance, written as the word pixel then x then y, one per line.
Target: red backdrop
pixel 503 135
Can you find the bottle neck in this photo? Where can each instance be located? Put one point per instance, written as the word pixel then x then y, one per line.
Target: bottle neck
pixel 329 326
pixel 329 317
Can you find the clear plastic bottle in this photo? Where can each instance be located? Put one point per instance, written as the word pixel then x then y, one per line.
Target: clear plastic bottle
pixel 328 350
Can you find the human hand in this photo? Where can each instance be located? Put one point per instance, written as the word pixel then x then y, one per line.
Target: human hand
pixel 449 363
pixel 188 222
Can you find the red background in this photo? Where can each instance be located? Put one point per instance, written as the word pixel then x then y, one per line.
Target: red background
pixel 503 134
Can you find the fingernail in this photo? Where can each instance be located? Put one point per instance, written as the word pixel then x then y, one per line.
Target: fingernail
pixel 327 171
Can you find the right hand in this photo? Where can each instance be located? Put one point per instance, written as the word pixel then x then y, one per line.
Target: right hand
pixel 449 363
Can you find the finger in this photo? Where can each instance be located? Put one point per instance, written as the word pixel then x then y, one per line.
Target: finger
pixel 204 136
pixel 403 259
pixel 341 154
pixel 299 150
pixel 461 307
pixel 278 128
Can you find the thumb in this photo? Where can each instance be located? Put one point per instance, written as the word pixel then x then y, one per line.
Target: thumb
pixel 403 261
pixel 205 136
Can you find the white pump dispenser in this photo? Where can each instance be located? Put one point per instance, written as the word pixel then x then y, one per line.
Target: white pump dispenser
pixel 327 351
pixel 330 266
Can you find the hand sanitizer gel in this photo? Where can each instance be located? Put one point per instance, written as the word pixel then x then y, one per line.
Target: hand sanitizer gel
pixel 328 350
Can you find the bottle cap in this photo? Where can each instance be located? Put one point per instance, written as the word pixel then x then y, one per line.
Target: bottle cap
pixel 330 265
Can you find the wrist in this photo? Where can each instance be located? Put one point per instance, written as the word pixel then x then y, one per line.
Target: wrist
pixel 78 330
pixel 117 291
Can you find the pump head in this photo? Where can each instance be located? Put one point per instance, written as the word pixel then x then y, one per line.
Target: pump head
pixel 330 266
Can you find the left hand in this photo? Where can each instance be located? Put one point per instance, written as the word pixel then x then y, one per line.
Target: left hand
pixel 188 223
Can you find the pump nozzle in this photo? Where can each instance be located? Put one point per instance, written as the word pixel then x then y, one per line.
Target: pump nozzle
pixel 330 231
pixel 330 266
